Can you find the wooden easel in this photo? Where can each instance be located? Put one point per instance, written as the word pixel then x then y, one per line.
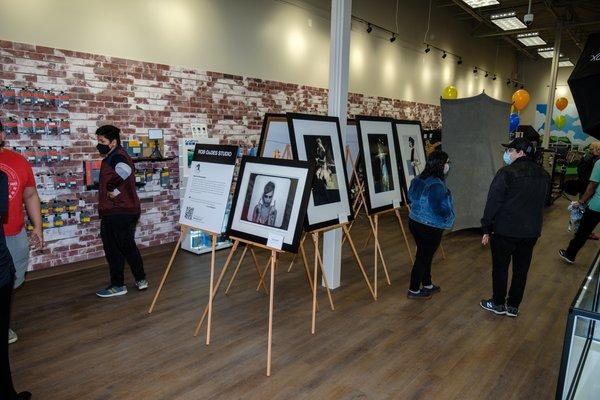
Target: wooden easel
pixel 184 231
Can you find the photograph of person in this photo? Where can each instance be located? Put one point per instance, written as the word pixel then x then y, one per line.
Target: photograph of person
pixel 268 200
pixel 325 188
pixel 380 162
pixel 413 164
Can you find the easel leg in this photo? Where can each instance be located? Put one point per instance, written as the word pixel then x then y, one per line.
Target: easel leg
pixel 182 234
pixel 368 240
pixel 216 288
pixel 271 291
pixel 258 268
pixel 412 260
pixel 261 276
pixel 237 268
pixel 360 265
pixel 323 273
pixel 292 263
pixel 314 286
pixel 210 290
pixel 305 261
pixel 376 284
pixel 443 252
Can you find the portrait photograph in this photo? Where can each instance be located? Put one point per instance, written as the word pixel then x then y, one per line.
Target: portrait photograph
pixel 274 137
pixel 318 140
pixel 270 199
pixel 412 150
pixel 382 163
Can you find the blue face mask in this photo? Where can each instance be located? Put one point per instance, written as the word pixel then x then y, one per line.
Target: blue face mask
pixel 506 158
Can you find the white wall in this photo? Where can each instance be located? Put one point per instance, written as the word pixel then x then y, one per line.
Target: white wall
pixel 271 39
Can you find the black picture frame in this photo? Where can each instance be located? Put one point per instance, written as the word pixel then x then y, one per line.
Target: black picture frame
pixel 405 185
pixel 357 160
pixel 371 209
pixel 324 223
pixel 264 132
pixel 270 166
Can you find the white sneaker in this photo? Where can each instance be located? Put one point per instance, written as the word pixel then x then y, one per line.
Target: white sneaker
pixel 142 284
pixel 12 336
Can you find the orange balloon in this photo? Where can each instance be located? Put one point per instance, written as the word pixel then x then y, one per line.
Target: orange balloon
pixel 561 103
pixel 520 99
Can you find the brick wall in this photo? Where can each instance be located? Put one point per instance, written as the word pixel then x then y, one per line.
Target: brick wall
pixel 135 96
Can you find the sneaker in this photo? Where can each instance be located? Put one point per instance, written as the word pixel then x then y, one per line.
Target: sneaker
pixel 420 295
pixel 512 311
pixel 489 305
pixel 142 284
pixel 563 254
pixel 433 289
pixel 23 396
pixel 12 336
pixel 112 291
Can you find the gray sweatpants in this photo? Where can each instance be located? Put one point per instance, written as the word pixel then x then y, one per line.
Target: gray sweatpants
pixel 18 246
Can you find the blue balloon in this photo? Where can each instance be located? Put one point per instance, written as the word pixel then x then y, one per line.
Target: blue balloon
pixel 513 122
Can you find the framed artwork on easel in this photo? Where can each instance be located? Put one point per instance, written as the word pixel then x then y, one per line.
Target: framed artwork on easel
pixel 318 139
pixel 412 150
pixel 275 137
pixel 381 161
pixel 352 148
pixel 269 203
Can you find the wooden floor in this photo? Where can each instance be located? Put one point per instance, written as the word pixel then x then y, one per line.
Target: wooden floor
pixel 73 345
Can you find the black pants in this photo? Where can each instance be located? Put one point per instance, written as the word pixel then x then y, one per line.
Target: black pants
pixel 520 250
pixel 586 226
pixel 7 391
pixel 118 239
pixel 428 240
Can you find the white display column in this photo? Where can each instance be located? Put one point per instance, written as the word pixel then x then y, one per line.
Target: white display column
pixel 339 56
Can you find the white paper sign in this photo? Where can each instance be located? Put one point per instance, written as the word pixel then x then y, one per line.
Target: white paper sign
pixel 275 241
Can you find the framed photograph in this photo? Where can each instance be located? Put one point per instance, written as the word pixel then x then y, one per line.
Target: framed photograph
pixel 270 201
pixel 352 150
pixel 318 140
pixel 275 137
pixel 381 162
pixel 412 150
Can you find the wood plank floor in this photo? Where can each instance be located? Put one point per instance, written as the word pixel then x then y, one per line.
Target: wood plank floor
pixel 73 345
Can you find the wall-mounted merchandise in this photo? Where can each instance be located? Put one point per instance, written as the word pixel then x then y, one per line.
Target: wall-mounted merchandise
pixel 28 97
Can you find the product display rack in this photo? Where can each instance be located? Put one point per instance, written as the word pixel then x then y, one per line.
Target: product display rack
pixel 578 378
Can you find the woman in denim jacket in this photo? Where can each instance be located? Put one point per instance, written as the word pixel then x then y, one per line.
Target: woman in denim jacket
pixel 431 212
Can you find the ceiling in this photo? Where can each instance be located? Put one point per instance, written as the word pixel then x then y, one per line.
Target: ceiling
pixel 579 18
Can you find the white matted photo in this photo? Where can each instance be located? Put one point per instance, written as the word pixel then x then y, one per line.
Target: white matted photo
pixel 412 150
pixel 353 148
pixel 270 201
pixel 275 137
pixel 318 139
pixel 381 162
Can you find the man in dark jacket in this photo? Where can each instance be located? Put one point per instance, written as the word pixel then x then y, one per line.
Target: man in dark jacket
pixel 119 211
pixel 512 222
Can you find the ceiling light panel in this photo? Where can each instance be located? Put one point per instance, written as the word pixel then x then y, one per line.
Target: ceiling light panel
pixel 507 21
pixel 481 3
pixel 531 39
pixel 565 63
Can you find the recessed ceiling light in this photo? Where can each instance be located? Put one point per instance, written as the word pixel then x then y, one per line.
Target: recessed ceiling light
pixel 507 21
pixel 531 39
pixel 565 63
pixel 481 3
pixel 547 52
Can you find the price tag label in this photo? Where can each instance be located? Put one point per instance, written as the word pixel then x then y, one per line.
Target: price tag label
pixel 396 203
pixel 343 218
pixel 275 241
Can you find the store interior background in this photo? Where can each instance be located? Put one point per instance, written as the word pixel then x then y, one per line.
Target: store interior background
pixel 150 63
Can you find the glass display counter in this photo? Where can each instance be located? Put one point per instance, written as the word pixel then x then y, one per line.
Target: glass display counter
pixel 580 366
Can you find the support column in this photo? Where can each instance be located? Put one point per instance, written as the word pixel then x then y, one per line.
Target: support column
pixel 339 59
pixel 552 87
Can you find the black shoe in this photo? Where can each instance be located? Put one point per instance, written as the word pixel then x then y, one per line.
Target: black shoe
pixel 23 396
pixel 420 295
pixel 434 289
pixel 563 254
pixel 489 305
pixel 512 311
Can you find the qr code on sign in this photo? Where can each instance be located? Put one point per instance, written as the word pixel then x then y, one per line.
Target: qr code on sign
pixel 189 212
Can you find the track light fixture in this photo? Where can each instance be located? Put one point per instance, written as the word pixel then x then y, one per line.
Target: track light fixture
pixel 522 86
pixel 369 28
pixel 427 50
pixel 516 85
pixel 393 38
pixel 459 61
pixel 494 78
pixel 507 82
pixel 444 55
pixel 487 74
pixel 475 70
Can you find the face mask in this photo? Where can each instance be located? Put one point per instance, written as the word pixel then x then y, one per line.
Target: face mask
pixel 103 148
pixel 506 158
pixel 446 169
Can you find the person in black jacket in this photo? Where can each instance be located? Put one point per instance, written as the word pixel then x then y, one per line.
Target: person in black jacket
pixel 7 277
pixel 512 222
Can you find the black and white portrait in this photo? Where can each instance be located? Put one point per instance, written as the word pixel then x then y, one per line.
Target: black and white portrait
pixel 381 163
pixel 325 189
pixel 269 200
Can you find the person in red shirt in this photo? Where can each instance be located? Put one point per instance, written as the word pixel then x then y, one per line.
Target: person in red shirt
pixel 21 190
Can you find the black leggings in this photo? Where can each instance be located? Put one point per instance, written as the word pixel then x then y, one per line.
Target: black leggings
pixel 428 240
pixel 7 391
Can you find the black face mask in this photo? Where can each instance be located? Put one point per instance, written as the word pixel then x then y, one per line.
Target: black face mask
pixel 103 148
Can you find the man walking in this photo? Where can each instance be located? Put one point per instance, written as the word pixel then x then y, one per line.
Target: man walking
pixel 119 210
pixel 512 223
pixel 21 191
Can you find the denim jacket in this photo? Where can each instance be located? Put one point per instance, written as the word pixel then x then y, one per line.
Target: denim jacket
pixel 431 203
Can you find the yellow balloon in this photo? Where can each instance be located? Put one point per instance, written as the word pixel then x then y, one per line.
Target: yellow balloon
pixel 449 93
pixel 560 121
pixel 520 99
